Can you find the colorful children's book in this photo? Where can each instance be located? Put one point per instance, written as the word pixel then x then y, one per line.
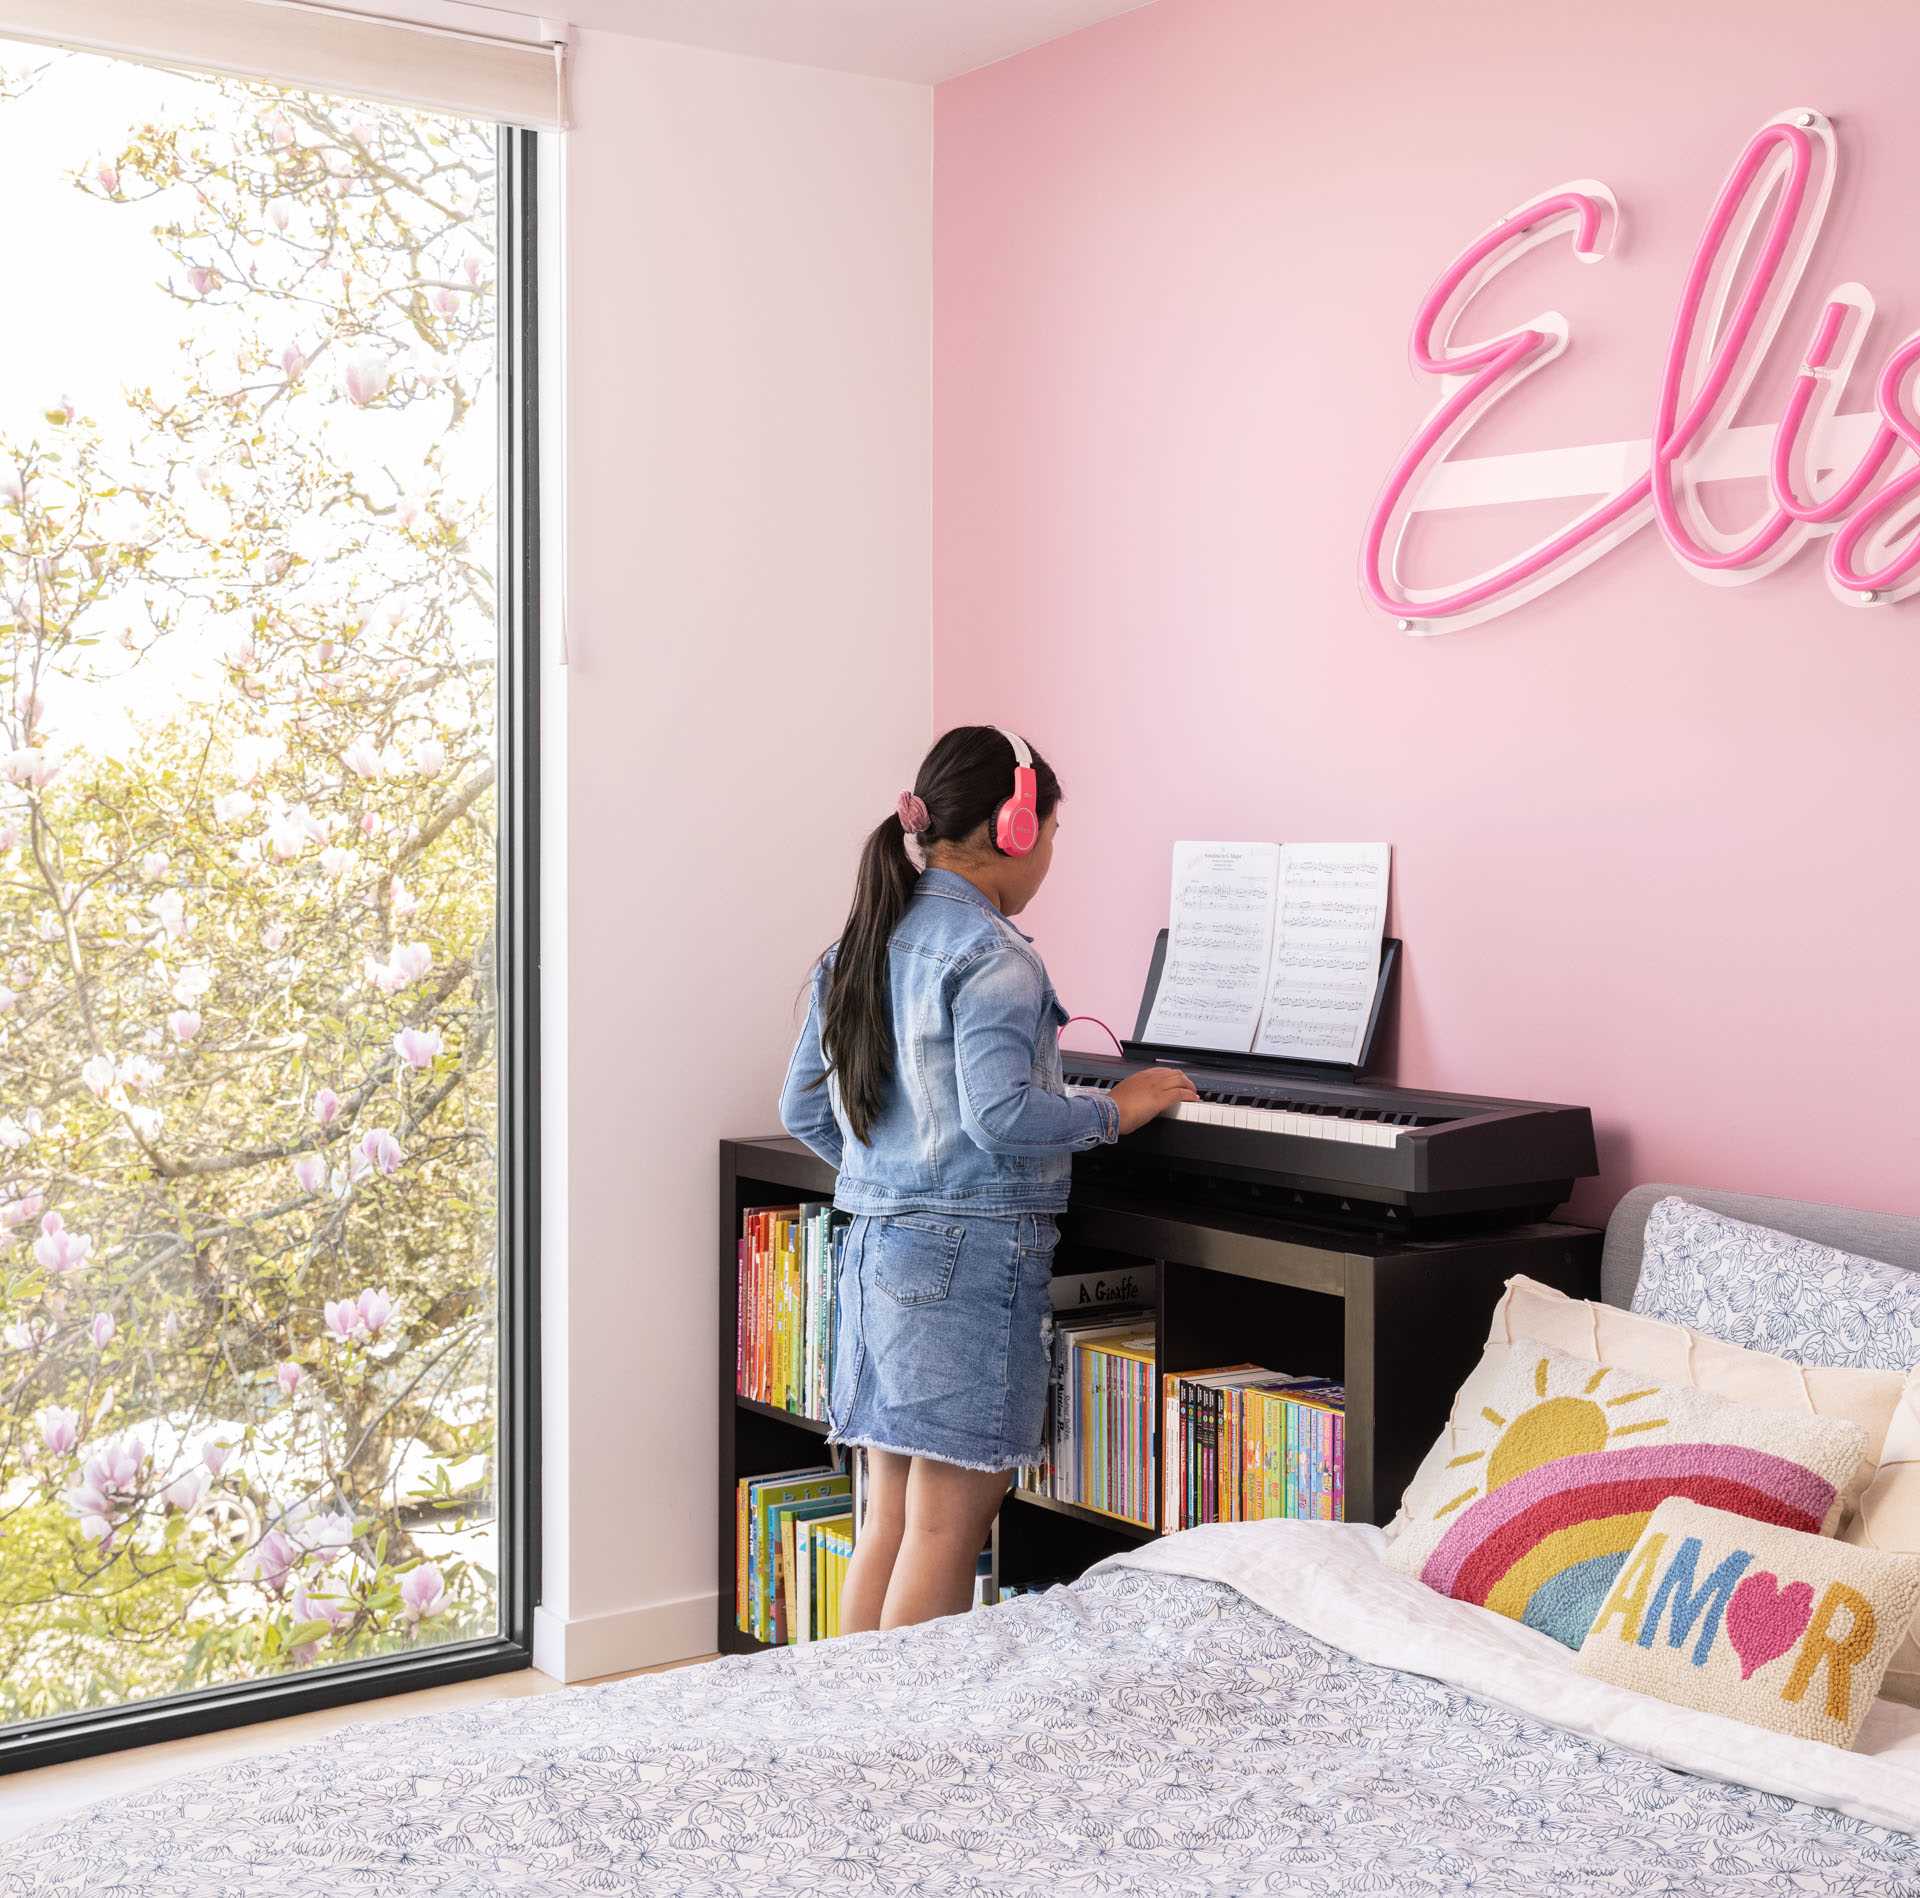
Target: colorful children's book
pixel 810 1553
pixel 785 1518
pixel 788 1256
pixel 791 1486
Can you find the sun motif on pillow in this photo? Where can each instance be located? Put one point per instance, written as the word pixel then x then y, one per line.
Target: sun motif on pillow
pixel 1543 1433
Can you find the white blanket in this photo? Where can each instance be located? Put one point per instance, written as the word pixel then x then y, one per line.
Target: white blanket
pixel 1328 1580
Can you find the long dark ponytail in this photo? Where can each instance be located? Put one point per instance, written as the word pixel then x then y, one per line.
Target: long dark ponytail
pixel 962 782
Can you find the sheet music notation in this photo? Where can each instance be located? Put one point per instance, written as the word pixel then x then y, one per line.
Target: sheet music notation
pixel 1272 948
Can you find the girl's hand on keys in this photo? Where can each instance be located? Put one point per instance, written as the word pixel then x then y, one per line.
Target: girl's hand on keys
pixel 1147 1095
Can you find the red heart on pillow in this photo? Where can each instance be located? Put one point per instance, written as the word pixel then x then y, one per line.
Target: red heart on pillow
pixel 1764 1620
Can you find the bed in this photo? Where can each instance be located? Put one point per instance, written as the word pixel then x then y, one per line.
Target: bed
pixel 1263 1708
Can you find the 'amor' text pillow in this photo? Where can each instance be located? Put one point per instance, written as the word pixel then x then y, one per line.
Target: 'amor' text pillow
pixel 1766 1625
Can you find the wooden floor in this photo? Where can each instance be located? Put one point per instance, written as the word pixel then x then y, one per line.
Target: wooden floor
pixel 48 1792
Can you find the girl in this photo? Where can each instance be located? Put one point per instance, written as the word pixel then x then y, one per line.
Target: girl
pixel 928 1074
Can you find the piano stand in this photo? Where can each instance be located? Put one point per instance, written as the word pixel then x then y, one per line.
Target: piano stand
pixel 1398 1317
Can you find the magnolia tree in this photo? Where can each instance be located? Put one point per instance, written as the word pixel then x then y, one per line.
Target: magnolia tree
pixel 247 987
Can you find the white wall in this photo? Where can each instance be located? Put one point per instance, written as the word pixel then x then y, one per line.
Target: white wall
pixel 748 579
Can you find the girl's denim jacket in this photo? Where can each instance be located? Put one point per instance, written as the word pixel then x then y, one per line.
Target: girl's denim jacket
pixel 975 1118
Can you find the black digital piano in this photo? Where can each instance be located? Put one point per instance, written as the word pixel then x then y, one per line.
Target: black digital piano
pixel 1320 1139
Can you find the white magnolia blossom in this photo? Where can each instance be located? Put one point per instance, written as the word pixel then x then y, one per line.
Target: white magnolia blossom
pixel 169 910
pixel 30 768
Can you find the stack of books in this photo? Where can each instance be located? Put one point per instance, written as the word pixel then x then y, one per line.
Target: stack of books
pixel 784 1350
pixel 1098 1446
pixel 793 1534
pixel 825 1547
pixel 1246 1444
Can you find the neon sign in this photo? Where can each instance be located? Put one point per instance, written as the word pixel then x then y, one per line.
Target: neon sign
pixel 1820 467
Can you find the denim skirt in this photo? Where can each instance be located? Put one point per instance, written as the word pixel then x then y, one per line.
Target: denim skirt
pixel 942 1331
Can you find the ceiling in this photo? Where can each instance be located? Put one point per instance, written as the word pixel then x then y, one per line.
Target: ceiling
pixel 921 40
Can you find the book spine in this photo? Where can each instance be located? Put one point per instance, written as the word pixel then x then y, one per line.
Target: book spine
pixel 1256 1413
pixel 1189 1477
pixel 740 1555
pixel 1066 1468
pixel 1323 1502
pixel 796 1323
pixel 1149 1495
pixel 823 1317
pixel 1309 1463
pixel 1223 1449
pixel 1203 1502
pixel 1202 1422
pixel 782 1581
pixel 810 1312
pixel 1097 1413
pixel 753 1564
pixel 1273 1425
pixel 1230 1471
pixel 755 1225
pixel 830 1267
pixel 1293 1427
pixel 1169 1443
pixel 1340 1467
pixel 1136 1462
pixel 782 1311
pixel 1300 1462
pixel 1216 1411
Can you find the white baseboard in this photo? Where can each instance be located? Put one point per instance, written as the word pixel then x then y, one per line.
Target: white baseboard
pixel 616 1643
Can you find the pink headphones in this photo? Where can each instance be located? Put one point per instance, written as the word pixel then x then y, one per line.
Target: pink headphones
pixel 1016 826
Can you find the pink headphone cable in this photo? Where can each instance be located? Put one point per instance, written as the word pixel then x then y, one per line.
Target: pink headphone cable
pixel 1118 1047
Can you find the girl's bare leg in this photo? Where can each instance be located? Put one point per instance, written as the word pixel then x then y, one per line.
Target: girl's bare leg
pixel 948 1513
pixel 877 1542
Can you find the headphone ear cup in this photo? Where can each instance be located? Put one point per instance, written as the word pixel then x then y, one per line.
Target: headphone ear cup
pixel 1016 825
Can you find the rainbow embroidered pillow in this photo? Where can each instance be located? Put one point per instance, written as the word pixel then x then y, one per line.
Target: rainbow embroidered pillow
pixel 1770 1626
pixel 1546 1485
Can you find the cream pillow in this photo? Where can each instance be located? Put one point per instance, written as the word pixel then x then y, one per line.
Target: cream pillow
pixel 1532 1313
pixel 1889 1521
pixel 1766 1625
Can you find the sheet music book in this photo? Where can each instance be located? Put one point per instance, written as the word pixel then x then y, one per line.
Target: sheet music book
pixel 1272 949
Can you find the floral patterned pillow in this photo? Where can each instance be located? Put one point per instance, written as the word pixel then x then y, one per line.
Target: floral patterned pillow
pixel 1768 1291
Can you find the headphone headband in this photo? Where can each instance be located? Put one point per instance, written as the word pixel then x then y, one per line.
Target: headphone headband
pixel 1022 756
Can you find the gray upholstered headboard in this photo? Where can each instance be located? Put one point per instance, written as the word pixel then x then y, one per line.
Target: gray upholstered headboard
pixel 1891 1237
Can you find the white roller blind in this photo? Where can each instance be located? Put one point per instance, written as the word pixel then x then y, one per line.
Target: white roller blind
pixel 442 54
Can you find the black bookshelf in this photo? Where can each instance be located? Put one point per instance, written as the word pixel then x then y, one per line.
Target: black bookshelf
pixel 1398 1320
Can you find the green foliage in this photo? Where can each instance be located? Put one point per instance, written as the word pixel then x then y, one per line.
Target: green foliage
pixel 275 891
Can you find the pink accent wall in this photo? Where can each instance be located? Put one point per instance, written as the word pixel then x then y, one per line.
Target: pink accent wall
pixel 1654 839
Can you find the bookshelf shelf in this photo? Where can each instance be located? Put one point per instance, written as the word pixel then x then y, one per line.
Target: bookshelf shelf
pixel 811 1425
pixel 1398 1320
pixel 1075 1512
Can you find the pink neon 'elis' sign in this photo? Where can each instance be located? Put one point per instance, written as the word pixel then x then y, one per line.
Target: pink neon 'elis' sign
pixel 1752 254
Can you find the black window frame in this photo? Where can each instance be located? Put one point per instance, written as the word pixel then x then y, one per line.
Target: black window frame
pixel 97 1731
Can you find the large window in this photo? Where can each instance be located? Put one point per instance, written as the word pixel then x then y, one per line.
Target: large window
pixel 257 1409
